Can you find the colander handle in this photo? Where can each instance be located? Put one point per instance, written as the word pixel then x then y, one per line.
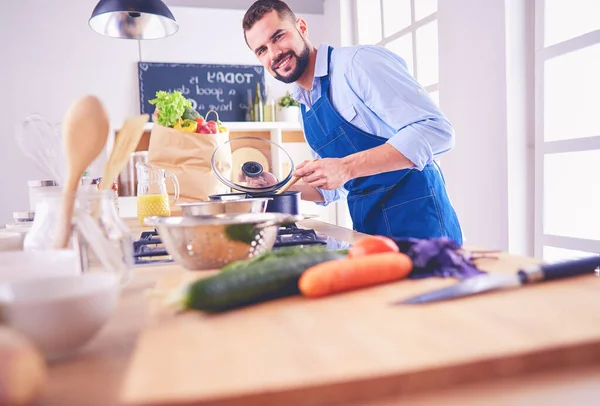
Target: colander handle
pixel 286 218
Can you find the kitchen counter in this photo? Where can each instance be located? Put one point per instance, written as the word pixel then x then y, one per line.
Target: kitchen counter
pixel 97 374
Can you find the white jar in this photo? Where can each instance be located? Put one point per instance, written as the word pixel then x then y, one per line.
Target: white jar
pixel 37 186
pixel 289 114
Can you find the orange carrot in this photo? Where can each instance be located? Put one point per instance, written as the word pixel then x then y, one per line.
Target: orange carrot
pixel 346 274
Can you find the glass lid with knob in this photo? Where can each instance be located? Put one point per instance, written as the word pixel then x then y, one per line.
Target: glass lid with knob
pixel 258 165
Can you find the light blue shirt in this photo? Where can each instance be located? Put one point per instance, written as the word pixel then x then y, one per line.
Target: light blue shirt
pixel 372 89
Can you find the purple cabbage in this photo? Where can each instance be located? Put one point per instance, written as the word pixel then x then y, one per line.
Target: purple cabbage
pixel 439 257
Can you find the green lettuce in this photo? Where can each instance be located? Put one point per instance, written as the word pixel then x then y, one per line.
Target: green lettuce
pixel 171 107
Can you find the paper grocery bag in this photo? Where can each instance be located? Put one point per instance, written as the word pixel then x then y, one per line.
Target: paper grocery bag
pixel 188 156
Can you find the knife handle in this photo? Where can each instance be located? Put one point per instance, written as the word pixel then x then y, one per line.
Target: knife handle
pixel 546 272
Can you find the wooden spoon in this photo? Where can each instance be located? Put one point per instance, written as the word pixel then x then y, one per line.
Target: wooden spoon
pixel 85 130
pixel 291 183
pixel 125 143
pixel 288 185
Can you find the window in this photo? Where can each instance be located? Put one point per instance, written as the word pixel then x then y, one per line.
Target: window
pixel 409 29
pixel 369 21
pixel 567 210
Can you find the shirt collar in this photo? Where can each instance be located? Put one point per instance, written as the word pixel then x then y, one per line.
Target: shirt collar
pixel 321 69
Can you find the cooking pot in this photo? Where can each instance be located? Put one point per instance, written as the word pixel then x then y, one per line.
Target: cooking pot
pixel 287 202
pixel 258 177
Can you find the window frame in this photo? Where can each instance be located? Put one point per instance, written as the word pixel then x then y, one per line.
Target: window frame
pixel 412 29
pixel 542 147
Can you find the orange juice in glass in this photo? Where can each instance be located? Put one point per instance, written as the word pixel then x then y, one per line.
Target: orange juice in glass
pixel 152 196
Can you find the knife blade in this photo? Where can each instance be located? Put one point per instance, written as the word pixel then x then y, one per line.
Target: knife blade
pixel 486 283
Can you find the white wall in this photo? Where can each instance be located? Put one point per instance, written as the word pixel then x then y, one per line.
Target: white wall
pixel 520 79
pixel 482 92
pixel 305 6
pixel 486 89
pixel 472 94
pixel 50 56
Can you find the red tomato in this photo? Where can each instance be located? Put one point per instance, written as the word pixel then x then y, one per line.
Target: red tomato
pixel 203 129
pixel 373 244
pixel 200 121
pixel 213 126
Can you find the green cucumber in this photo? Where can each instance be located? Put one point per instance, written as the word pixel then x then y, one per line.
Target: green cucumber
pixel 259 281
pixel 278 253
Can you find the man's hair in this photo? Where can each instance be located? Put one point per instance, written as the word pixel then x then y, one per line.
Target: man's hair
pixel 262 7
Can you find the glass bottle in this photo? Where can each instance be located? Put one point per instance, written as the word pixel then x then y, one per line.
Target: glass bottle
pixel 114 187
pixel 258 105
pixel 269 108
pixel 101 238
pixel 250 111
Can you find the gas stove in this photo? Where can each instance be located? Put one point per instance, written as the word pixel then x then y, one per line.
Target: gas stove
pixel 291 236
pixel 149 249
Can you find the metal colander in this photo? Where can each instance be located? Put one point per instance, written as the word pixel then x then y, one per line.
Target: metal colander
pixel 211 242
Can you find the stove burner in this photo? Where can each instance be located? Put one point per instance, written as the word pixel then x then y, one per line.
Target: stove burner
pixel 148 247
pixel 293 236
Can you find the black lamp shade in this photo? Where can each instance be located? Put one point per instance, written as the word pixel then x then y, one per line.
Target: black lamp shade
pixel 133 19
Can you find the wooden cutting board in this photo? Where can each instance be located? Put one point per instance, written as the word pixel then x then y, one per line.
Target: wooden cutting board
pixel 355 346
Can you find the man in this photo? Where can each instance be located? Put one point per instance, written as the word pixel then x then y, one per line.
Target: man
pixel 373 128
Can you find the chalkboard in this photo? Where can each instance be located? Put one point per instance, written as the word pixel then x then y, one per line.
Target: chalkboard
pixel 223 88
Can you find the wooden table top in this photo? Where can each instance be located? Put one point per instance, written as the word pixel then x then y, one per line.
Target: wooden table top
pixel 95 376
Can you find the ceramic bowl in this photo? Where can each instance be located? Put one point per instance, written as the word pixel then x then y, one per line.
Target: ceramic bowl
pixel 11 240
pixel 61 314
pixel 16 266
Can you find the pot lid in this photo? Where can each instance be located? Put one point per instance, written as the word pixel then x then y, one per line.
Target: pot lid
pixel 41 183
pixel 258 165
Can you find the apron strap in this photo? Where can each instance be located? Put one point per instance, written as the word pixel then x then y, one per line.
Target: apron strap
pixel 325 79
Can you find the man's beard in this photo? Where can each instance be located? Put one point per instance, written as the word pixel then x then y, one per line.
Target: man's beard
pixel 301 64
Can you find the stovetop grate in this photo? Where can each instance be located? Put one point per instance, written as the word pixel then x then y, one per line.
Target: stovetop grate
pixel 293 236
pixel 149 248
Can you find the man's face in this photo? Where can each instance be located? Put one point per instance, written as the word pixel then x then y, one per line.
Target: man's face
pixel 280 47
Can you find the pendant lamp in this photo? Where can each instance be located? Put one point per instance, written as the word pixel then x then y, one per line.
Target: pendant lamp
pixel 133 19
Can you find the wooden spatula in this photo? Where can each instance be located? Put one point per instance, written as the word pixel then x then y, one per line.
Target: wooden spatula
pixel 125 143
pixel 85 130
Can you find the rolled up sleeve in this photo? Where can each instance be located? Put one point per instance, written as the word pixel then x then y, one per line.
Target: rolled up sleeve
pixel 417 141
pixel 421 131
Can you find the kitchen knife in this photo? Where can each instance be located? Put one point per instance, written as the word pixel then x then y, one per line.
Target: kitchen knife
pixel 526 275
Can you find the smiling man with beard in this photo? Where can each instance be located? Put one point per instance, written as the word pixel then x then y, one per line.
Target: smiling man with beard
pixel 373 128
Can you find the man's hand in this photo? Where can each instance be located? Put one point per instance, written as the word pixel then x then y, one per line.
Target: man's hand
pixel 327 174
pixel 333 173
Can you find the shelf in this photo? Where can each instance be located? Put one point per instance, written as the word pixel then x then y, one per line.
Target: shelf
pixel 253 126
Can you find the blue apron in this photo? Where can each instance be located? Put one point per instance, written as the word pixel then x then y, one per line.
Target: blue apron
pixel 403 203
